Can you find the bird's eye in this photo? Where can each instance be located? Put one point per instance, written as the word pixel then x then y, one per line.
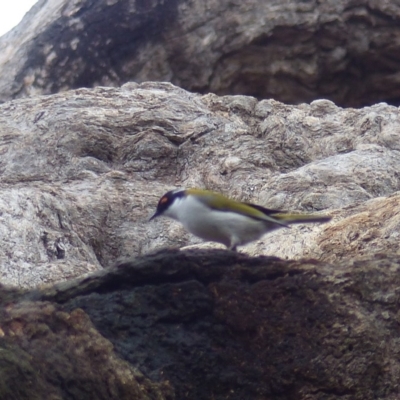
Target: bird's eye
pixel 163 200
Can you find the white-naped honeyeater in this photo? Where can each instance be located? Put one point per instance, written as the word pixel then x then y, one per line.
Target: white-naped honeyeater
pixel 214 217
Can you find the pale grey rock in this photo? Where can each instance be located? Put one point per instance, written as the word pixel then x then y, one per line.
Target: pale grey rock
pixel 82 171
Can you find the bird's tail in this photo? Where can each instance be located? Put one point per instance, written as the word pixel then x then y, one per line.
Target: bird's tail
pixel 300 218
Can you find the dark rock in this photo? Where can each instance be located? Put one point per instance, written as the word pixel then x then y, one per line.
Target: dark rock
pixel 292 51
pixel 221 325
pixel 47 353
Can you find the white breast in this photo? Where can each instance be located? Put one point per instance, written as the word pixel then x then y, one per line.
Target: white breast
pixel 228 228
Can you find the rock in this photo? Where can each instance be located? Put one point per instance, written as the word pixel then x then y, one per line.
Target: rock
pixel 216 324
pixel 47 353
pixel 292 51
pixel 82 171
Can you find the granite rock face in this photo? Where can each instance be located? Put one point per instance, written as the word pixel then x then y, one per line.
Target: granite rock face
pixel 82 171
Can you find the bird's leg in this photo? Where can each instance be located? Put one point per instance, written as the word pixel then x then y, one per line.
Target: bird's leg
pixel 233 245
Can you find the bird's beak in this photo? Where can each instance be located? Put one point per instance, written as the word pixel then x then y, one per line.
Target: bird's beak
pixel 156 214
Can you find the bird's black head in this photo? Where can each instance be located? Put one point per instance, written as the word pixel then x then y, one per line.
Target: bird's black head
pixel 166 201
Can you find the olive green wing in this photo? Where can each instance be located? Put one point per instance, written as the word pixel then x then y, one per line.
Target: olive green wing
pixel 219 202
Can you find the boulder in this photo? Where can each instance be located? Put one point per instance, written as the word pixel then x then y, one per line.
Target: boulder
pixel 289 50
pixel 208 324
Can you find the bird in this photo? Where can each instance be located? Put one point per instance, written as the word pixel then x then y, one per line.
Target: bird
pixel 213 217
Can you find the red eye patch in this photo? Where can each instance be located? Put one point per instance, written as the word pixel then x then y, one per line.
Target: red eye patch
pixel 163 200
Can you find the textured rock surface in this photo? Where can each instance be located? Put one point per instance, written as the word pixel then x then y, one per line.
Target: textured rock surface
pixel 220 325
pixel 81 172
pixel 47 353
pixel 289 50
